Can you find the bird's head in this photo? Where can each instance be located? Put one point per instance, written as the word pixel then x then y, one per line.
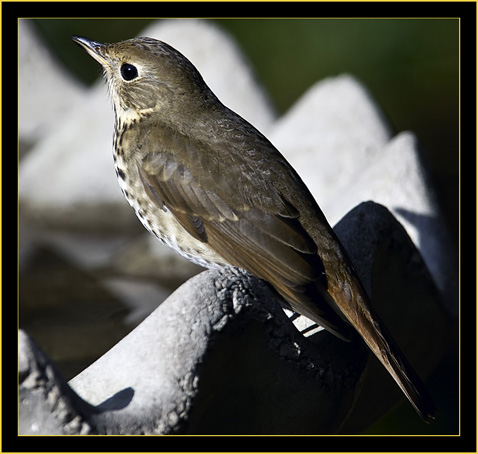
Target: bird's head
pixel 148 77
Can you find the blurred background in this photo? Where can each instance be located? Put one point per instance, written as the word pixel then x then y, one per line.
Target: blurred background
pixel 410 67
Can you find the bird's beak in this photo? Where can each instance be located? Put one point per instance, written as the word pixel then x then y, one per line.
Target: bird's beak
pixel 95 49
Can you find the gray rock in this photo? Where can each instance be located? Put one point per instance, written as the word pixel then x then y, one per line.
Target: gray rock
pixel 219 356
pixel 68 179
pixel 332 130
pixel 47 404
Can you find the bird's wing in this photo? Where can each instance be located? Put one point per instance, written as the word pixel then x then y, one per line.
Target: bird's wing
pixel 262 235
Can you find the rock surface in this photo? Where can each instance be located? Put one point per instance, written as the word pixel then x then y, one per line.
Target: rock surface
pixel 219 356
pixel 47 406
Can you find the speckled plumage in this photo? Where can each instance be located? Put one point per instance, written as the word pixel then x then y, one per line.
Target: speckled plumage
pixel 209 185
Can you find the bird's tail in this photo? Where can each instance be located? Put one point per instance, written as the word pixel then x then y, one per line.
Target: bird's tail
pixel 368 324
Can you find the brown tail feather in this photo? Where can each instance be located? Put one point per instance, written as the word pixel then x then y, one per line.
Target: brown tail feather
pixel 400 369
pixel 368 324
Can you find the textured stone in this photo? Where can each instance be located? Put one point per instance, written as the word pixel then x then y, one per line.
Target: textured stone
pixel 46 403
pixel 219 356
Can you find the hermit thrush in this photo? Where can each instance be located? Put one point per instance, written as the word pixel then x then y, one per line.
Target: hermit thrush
pixel 209 185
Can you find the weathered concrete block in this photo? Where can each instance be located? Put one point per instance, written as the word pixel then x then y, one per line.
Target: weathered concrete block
pixel 47 404
pixel 219 356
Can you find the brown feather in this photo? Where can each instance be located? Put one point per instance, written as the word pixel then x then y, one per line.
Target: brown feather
pixel 274 248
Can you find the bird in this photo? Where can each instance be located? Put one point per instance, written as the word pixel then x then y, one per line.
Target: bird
pixel 212 187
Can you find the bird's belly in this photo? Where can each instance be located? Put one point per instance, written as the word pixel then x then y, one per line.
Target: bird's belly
pixel 164 226
pixel 170 232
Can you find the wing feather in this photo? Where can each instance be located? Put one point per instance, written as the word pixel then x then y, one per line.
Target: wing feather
pixel 255 229
pixel 273 247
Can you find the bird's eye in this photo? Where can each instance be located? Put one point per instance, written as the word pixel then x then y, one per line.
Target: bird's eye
pixel 128 72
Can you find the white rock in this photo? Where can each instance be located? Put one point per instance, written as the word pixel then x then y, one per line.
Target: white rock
pixel 69 178
pixel 397 179
pixel 329 133
pixel 45 90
